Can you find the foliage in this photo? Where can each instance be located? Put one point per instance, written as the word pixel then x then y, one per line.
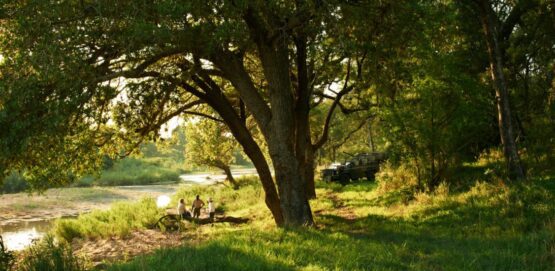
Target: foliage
pixel 210 143
pixel 49 255
pixel 14 183
pixel 119 220
pixel 441 115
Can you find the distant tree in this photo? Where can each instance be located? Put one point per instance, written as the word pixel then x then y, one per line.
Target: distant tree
pixel 209 143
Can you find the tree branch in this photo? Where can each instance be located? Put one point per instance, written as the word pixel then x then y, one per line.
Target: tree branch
pixel 203 115
pixel 515 17
pixel 346 89
pixel 352 132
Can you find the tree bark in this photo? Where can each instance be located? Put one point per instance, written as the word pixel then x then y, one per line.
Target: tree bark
pixel 491 30
pixel 282 137
pixel 303 146
pixel 281 130
pixel 229 176
pixel 221 105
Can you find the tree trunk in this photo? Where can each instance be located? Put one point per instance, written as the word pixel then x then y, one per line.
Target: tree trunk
pixel 251 149
pixel 303 147
pixel 309 174
pixel 229 176
pixel 281 138
pixel 292 189
pixel 490 27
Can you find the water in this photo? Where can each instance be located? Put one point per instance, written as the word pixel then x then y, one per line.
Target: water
pixel 210 178
pixel 21 234
pixel 18 236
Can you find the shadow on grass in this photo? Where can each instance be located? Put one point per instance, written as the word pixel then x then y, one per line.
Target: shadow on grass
pixel 213 256
pixel 481 235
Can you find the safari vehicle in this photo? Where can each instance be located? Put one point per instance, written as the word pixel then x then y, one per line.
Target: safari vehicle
pixel 362 165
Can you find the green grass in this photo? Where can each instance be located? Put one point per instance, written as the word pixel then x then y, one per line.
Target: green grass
pixel 120 220
pixel 487 227
pixel 49 255
pixel 136 171
pixel 359 227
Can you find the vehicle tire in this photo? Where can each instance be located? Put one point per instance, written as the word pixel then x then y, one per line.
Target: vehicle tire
pixel 344 178
pixel 370 175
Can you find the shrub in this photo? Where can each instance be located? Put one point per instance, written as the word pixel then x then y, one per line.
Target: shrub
pixel 391 178
pixel 48 255
pixel 14 183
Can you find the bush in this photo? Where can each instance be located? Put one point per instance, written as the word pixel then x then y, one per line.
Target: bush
pixel 47 255
pixel 391 178
pixel 14 183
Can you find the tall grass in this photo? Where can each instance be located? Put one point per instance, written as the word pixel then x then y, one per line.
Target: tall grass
pixel 359 227
pixel 120 220
pixel 6 257
pixel 48 255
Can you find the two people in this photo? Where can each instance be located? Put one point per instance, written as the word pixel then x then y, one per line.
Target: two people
pixel 196 207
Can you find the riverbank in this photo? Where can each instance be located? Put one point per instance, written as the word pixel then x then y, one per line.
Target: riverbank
pixel 54 203
pixel 69 202
pixel 27 217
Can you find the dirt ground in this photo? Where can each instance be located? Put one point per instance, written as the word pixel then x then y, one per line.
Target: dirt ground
pixel 116 248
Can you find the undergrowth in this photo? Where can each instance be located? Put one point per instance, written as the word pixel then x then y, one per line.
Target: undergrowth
pixel 49 255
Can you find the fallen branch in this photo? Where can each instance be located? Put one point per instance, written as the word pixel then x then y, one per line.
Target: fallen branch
pixel 169 220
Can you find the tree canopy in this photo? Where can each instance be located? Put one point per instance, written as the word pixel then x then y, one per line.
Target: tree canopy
pixel 94 77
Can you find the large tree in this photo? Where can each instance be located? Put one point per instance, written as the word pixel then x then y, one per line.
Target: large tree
pixel 86 77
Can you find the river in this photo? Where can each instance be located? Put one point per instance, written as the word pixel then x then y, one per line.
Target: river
pixel 21 228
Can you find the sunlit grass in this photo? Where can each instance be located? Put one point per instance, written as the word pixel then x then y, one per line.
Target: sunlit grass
pixel 120 220
pixel 488 227
pixel 359 227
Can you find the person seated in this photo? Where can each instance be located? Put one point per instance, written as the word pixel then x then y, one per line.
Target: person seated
pixel 181 210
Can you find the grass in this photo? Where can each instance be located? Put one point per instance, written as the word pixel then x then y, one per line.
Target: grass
pixel 487 227
pixel 136 171
pixel 120 220
pixel 359 227
pixel 49 255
